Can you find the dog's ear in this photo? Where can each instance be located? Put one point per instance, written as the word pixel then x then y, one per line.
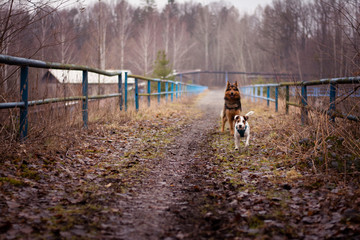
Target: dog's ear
pixel 246 118
pixel 236 84
pixel 236 117
pixel 227 84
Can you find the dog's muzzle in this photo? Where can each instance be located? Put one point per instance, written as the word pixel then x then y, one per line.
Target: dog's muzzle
pixel 241 131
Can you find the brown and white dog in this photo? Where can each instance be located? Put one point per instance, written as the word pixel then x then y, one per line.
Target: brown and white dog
pixel 232 106
pixel 242 129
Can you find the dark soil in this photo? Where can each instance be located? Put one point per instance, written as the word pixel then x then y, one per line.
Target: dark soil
pixel 172 177
pixel 164 195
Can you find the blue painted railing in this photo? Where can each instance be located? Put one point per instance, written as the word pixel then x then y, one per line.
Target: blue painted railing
pixel 256 92
pixel 177 89
pixel 181 88
pixel 226 74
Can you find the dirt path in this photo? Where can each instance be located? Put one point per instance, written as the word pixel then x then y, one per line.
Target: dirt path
pixel 151 212
pixel 117 180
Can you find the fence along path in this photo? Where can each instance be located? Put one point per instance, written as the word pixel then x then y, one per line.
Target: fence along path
pixel 257 92
pixel 177 88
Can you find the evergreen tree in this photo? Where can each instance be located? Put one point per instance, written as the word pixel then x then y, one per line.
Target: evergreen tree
pixel 149 6
pixel 162 69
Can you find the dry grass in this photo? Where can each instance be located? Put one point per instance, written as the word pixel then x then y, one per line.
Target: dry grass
pixel 52 128
pixel 321 144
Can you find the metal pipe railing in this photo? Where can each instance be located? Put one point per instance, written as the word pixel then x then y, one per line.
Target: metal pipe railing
pixel 177 89
pixel 122 76
pixel 252 91
pixel 11 60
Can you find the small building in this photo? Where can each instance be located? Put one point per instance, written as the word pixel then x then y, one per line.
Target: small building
pixel 56 83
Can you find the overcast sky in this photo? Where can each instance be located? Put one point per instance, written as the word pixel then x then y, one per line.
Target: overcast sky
pixel 243 5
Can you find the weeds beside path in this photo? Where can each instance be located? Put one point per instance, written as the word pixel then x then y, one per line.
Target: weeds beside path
pixel 270 190
pixel 170 174
pixel 116 180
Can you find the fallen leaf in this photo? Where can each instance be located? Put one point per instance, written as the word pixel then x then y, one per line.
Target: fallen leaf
pixel 293 174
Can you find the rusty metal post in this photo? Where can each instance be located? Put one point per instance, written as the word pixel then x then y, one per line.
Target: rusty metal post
pixel 148 91
pixel 136 95
pixel 85 99
pixel 24 87
pixel 276 99
pixel 287 99
pixel 304 111
pixel 332 101
pixel 120 90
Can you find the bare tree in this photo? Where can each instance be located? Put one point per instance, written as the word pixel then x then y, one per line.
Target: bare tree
pixel 167 23
pixel 143 51
pixel 346 20
pixel 17 23
pixel 236 43
pixel 43 29
pixel 67 24
pixel 204 31
pixel 316 37
pixel 123 27
pixel 102 14
pixel 219 48
pixel 180 44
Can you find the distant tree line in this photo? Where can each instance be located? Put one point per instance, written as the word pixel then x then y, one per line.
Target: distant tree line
pixel 315 38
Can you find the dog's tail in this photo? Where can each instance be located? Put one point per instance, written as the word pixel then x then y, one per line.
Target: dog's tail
pixel 222 114
pixel 250 113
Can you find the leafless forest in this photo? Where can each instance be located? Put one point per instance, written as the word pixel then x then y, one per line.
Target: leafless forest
pixel 315 39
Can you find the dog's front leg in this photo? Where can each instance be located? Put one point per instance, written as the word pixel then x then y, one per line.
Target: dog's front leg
pixel 237 141
pixel 223 124
pixel 247 140
pixel 231 123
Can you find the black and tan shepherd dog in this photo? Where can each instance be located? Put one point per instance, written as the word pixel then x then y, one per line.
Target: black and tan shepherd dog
pixel 232 106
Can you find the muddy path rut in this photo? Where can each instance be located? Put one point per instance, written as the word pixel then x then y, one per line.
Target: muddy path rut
pixel 153 210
